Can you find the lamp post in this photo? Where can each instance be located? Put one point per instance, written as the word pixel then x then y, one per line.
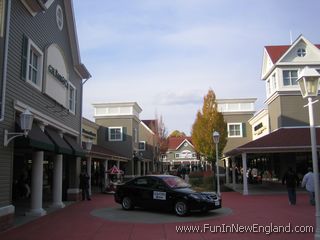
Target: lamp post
pixel 216 138
pixel 309 83
pixel 26 120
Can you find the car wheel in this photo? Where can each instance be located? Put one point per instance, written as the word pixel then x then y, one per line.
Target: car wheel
pixel 181 208
pixel 127 203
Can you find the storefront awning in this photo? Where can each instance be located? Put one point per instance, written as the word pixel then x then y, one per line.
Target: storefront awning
pixel 98 151
pixel 60 144
pixel 77 150
pixel 36 139
pixel 280 140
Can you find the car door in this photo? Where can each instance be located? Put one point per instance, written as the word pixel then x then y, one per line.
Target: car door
pixel 161 194
pixel 141 197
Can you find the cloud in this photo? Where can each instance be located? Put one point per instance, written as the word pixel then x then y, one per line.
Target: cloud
pixel 179 98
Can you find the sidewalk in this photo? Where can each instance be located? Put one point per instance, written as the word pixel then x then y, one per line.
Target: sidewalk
pixel 76 221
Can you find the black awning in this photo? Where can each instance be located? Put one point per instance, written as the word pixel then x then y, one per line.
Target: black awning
pixel 77 149
pixel 36 139
pixel 60 144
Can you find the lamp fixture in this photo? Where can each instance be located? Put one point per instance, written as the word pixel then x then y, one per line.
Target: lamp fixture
pixel 89 145
pixel 309 82
pixel 26 120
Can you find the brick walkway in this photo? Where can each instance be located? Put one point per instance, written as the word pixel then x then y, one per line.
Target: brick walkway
pixel 76 222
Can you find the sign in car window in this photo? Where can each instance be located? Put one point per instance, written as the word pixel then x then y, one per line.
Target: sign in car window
pixel 159 195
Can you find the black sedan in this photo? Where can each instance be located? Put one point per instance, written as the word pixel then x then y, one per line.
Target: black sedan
pixel 164 192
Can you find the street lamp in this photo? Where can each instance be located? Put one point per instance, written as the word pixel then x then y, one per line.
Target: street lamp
pixel 26 120
pixel 309 83
pixel 216 138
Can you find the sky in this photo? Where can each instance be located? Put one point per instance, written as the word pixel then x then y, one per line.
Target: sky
pixel 166 54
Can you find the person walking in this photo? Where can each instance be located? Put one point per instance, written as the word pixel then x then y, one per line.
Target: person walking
pixel 84 185
pixel 291 180
pixel 308 183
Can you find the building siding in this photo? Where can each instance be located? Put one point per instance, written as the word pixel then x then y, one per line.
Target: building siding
pixel 43 31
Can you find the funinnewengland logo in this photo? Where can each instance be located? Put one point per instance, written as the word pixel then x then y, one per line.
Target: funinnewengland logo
pixel 237 228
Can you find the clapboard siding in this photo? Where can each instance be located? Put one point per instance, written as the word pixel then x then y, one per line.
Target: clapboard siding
pixel 43 31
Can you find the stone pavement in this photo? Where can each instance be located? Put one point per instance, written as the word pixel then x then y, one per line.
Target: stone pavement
pixel 89 220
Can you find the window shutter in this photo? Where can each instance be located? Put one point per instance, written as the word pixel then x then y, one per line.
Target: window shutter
pixel 244 131
pixel 124 134
pixel 106 134
pixel 24 57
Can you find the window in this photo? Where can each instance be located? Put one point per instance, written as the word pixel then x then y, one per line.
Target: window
pixel 290 77
pixel 135 135
pixel 59 17
pixel 177 155
pixel 34 65
pixel 71 98
pixel 301 52
pixel 142 146
pixel 234 130
pixel 115 133
pixel 268 87
pixel 274 82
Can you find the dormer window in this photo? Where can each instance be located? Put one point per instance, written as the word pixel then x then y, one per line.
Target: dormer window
pixel 301 52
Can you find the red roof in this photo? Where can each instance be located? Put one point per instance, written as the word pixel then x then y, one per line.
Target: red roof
pixel 276 52
pixel 174 142
pixel 281 140
pixel 152 124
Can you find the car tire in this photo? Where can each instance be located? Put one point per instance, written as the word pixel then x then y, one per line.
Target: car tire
pixel 127 203
pixel 181 208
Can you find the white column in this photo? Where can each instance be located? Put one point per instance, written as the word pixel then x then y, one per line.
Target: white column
pixel 105 173
pixel 233 172
pixel 139 168
pixel 245 180
pixel 36 185
pixel 57 182
pixel 227 171
pixel 144 168
pixel 118 164
pixel 89 173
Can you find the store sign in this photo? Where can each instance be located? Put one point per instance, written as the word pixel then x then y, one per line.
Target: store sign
pixel 56 75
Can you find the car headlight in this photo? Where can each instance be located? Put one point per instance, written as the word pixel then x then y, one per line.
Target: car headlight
pixel 195 196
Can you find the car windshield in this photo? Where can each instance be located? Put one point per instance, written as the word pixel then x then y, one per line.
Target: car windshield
pixel 175 182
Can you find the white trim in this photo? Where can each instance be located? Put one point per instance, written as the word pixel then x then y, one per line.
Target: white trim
pixel 6 210
pixel 115 140
pixel 48 3
pixel 28 8
pixel 20 106
pixel 185 140
pixel 73 111
pixel 236 136
pixel 144 146
pixel 148 129
pixel 5 62
pixel 59 20
pixel 32 46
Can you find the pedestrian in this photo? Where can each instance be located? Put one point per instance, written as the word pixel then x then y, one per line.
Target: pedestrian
pixel 84 185
pixel 308 183
pixel 291 180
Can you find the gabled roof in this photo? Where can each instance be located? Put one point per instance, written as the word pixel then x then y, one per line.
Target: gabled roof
pixel 151 123
pixel 276 52
pixel 281 140
pixel 175 142
pixel 79 67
